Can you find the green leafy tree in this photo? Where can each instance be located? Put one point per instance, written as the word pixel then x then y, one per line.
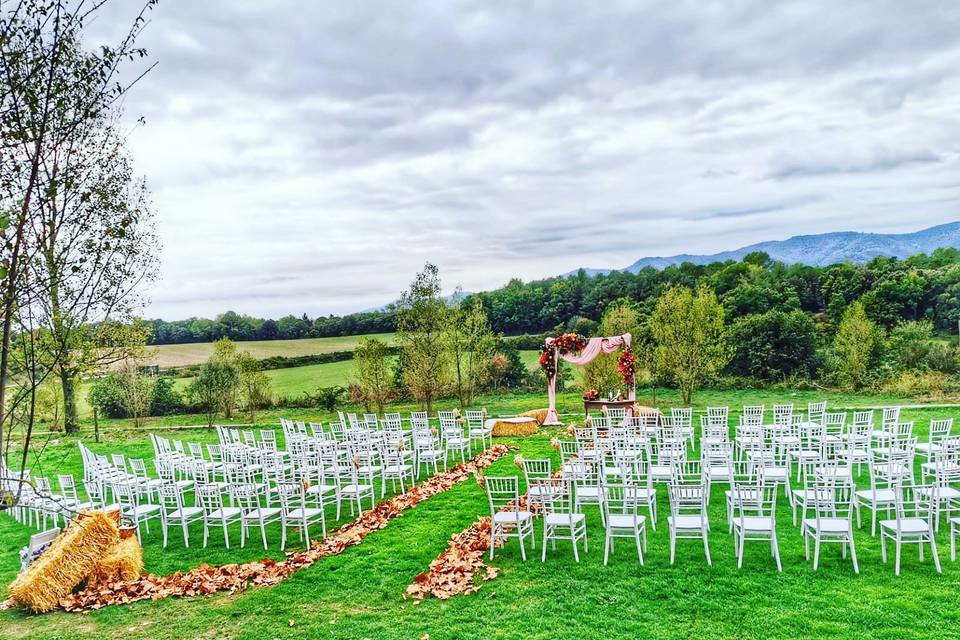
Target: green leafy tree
pixel 137 392
pixel 471 344
pixel 254 385
pixel 215 387
pixel 421 321
pixel 856 347
pixel 372 373
pixel 687 327
pixel 225 353
pixel 774 345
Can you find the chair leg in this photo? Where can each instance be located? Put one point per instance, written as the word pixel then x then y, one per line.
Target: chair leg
pixel 933 551
pixel 853 554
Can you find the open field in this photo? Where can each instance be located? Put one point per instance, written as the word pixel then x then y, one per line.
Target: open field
pixel 360 593
pixel 179 355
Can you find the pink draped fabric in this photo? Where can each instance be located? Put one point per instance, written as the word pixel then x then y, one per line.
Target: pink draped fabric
pixel 595 346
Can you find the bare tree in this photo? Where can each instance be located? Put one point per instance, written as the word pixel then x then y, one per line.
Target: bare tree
pixel 51 90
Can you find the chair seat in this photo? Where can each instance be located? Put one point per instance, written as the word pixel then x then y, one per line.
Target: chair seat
pixel 356 488
pixel 511 517
pixel 880 496
pixel 686 522
pixel 908 526
pixel 301 513
pixel 564 519
pixel 588 493
pixel 624 521
pixel 828 525
pixel 142 510
pixel 226 513
pixel 397 469
pixel 263 513
pixel 943 493
pixel 754 523
pixel 928 447
pixel 320 489
pixel 185 513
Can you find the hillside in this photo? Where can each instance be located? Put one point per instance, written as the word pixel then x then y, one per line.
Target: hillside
pixel 822 249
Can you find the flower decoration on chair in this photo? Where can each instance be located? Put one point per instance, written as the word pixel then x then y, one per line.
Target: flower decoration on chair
pixel 627 364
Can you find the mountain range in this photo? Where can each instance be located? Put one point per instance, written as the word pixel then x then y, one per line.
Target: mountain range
pixel 820 249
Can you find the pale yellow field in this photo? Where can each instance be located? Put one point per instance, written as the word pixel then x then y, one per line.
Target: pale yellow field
pixel 179 355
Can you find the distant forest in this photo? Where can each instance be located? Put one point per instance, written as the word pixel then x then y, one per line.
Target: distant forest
pixel 922 287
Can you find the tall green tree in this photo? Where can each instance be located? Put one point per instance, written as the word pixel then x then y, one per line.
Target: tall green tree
pixel 472 345
pixel 254 385
pixel 372 372
pixel 856 347
pixel 214 387
pixel 687 327
pixel 421 321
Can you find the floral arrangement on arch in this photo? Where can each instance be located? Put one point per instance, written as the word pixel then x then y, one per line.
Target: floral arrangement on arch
pixel 564 343
pixel 627 365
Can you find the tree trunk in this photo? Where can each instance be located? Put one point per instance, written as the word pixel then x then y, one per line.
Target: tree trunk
pixel 71 422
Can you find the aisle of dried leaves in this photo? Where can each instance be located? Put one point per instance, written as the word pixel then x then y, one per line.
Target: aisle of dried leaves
pixel 205 580
pixel 461 567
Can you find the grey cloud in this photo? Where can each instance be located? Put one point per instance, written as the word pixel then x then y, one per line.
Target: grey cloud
pixel 311 156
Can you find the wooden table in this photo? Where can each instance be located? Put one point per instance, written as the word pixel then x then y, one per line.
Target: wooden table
pixel 603 402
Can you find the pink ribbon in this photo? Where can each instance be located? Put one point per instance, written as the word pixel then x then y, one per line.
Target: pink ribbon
pixel 595 346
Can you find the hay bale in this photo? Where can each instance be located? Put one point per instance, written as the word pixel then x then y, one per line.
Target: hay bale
pixel 506 428
pixel 68 561
pixel 540 415
pixel 123 562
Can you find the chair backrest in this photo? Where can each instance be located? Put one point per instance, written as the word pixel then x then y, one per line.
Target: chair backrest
pixel 475 419
pixel 689 499
pixel 555 495
pixel 537 468
pixel 940 429
pixel 37 545
pixel 719 414
pixel 754 499
pixel 752 415
pixel 782 413
pixel 621 499
pixel 196 450
pixel 891 416
pixel 209 497
pixel 835 422
pixel 816 411
pixel 682 416
pixel 502 493
pixel 616 414
pixel 268 439
pixel 68 486
pixel 829 498
pixel 170 496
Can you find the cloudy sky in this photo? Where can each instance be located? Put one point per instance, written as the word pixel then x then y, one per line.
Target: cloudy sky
pixel 311 156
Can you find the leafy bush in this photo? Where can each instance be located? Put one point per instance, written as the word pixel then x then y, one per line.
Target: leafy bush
pixel 107 394
pixel 775 345
pixel 327 398
pixel 166 399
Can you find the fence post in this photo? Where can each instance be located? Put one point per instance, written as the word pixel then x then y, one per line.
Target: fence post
pixel 96 426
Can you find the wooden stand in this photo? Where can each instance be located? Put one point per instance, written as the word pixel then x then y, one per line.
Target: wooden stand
pixel 603 402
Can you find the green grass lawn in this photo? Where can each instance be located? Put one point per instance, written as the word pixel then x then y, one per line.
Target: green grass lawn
pixel 359 594
pixel 178 355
